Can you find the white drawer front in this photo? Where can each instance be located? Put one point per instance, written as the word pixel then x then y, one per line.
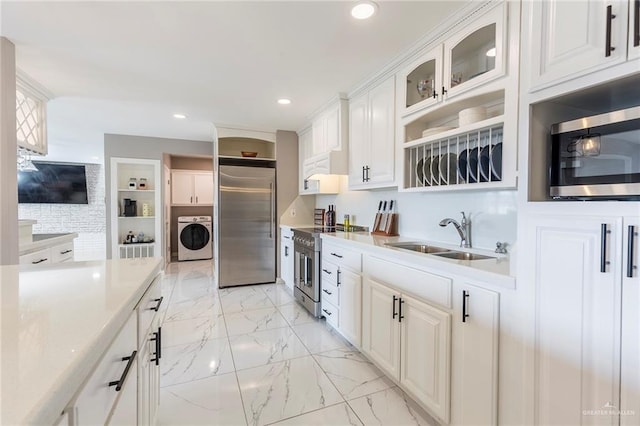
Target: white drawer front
pixel 331 313
pixel 37 257
pixel 96 399
pixel 342 256
pixel 62 252
pixel 430 287
pixel 330 293
pixel 148 308
pixel 329 272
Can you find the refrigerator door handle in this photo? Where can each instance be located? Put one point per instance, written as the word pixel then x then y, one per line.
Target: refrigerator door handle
pixel 271 223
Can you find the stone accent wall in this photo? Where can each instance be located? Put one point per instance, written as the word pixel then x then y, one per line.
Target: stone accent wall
pixel 88 220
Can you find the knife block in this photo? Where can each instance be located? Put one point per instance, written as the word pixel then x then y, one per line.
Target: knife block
pixel 391 227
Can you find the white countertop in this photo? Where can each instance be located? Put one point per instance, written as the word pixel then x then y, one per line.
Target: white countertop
pixel 40 241
pixel 493 271
pixel 56 322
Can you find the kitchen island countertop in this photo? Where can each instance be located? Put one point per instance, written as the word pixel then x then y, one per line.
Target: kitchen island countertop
pixel 57 321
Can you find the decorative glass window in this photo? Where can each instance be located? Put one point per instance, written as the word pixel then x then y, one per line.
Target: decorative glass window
pixel 31 120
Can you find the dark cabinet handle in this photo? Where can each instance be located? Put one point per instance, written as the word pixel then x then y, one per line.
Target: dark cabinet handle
pixel 305 184
pixel 158 339
pixel 400 316
pixel 435 94
pixel 465 296
pixel 327 271
pixel 366 169
pixel 66 251
pixel 636 23
pixel 338 279
pixel 326 312
pixel 336 255
pixel 118 383
pixel 444 91
pixel 155 308
pixel 363 178
pixel 608 47
pixel 327 291
pixel 603 247
pixel 630 240
pixel 35 262
pixel 286 251
pixel 394 307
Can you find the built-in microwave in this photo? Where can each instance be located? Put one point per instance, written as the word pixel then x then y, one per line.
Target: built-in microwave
pixel 597 157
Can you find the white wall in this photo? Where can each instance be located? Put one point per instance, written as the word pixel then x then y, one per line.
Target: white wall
pixel 88 220
pixel 492 213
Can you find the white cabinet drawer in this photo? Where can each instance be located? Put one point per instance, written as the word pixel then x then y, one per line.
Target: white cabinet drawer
pixel 148 308
pixel 330 293
pixel 329 272
pixel 331 313
pixel 342 256
pixel 62 252
pixel 430 287
pixel 96 399
pixel 37 257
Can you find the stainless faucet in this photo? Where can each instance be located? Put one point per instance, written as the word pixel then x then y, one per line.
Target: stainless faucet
pixel 463 228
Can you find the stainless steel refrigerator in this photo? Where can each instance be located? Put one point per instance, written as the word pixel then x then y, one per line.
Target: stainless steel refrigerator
pixel 247 223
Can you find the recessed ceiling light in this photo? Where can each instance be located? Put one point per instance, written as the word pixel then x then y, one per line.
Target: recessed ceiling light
pixel 284 101
pixel 180 116
pixel 364 9
pixel 491 52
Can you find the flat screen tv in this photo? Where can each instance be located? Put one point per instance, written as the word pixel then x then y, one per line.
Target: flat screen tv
pixel 53 183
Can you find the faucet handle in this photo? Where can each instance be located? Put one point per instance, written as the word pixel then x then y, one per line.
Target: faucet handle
pixel 464 218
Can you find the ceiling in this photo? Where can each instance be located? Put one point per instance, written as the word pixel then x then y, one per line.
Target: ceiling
pixel 126 67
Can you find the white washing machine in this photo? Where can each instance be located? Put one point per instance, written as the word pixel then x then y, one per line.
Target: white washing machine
pixel 194 238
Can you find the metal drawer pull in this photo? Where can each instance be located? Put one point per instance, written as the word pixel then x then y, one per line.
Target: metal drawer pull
pixel 608 47
pixel 326 312
pixel 630 240
pixel 118 383
pixel 465 296
pixel 66 251
pixel 158 340
pixel 400 316
pixel 35 262
pixel 327 271
pixel 394 313
pixel 336 255
pixel 327 291
pixel 603 247
pixel 155 308
pixel 338 279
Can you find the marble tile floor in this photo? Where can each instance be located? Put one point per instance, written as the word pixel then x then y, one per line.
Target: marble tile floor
pixel 252 356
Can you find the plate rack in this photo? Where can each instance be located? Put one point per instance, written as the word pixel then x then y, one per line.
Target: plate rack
pixel 469 158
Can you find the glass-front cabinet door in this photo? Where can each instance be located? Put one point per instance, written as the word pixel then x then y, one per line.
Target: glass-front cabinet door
pixel 476 54
pixel 421 82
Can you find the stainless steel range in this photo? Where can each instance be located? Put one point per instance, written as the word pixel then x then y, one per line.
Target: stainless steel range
pixel 307 247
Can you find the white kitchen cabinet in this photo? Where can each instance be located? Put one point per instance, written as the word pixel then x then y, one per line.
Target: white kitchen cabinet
pixel 191 187
pixel 149 348
pixel 570 39
pixel 630 361
pixel 341 294
pixel 328 128
pixel 39 257
pixel 372 137
pixel 471 57
pixel 287 263
pixel 115 373
pixel 578 281
pixel 125 411
pixel 123 171
pixel 410 341
pixel 474 373
pixel 309 165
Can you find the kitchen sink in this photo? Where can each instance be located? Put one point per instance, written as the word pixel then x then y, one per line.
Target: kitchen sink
pixel 459 255
pixel 420 248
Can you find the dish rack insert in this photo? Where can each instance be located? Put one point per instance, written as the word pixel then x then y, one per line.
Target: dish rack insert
pixel 468 158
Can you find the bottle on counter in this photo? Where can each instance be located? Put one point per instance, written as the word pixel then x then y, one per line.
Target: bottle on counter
pixel 346 223
pixel 330 217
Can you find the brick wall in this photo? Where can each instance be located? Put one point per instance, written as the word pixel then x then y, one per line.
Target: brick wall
pixel 88 220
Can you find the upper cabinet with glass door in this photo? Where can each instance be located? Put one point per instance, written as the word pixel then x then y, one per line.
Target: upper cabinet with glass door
pixel 466 60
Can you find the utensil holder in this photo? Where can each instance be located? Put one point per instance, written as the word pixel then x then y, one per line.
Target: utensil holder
pixel 390 229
